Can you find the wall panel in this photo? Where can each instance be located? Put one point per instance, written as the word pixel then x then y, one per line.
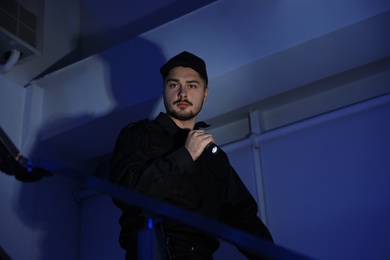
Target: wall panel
pixel 327 185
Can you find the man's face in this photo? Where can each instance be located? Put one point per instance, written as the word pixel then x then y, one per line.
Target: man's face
pixel 184 93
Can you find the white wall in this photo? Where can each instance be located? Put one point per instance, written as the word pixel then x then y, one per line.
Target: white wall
pixel 15 218
pixel 38 220
pixel 100 229
pixel 326 183
pixel 11 109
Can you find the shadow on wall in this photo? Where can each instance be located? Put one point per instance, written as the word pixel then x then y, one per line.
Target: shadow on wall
pixel 54 218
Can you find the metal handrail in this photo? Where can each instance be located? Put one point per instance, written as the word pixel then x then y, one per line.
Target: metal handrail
pixel 160 209
pixel 11 158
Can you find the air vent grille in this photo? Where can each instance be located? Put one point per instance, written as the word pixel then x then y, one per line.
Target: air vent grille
pixel 18 29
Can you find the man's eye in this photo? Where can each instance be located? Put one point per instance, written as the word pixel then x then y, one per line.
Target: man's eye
pixel 192 86
pixel 173 85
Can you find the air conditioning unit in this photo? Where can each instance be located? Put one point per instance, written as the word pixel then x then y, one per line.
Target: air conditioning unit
pixel 19 29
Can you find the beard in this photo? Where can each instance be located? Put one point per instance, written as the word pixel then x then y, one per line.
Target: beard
pixel 182 114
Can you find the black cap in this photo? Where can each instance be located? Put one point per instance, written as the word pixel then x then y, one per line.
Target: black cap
pixel 185 59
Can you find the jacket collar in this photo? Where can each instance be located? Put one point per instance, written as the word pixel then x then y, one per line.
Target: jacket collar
pixel 169 125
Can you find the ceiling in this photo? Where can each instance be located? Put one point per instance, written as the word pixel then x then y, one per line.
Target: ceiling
pixel 88 27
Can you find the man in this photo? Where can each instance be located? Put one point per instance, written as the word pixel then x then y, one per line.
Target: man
pixel 166 159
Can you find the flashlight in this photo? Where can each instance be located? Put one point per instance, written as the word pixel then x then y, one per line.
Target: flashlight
pixel 212 148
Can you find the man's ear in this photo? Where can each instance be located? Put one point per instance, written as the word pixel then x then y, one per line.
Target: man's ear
pixel 206 92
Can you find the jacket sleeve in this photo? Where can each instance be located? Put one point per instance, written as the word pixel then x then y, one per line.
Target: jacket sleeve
pixel 134 165
pixel 240 209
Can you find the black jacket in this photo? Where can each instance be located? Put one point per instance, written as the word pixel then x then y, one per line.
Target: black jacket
pixel 150 158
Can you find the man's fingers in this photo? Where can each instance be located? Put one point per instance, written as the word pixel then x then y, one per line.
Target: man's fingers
pixel 197 141
pixel 201 135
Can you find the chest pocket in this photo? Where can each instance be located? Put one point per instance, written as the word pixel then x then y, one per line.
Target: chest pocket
pixel 190 191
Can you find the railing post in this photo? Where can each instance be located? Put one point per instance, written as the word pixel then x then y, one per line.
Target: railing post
pixel 151 240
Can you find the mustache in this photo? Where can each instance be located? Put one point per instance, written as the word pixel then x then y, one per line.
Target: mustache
pixel 182 101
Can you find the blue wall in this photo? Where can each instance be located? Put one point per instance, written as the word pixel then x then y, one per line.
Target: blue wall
pixel 327 185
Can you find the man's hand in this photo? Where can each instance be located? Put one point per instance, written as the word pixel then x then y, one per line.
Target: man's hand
pixel 196 142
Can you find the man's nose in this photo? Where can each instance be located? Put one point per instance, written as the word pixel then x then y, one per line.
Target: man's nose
pixel 182 92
